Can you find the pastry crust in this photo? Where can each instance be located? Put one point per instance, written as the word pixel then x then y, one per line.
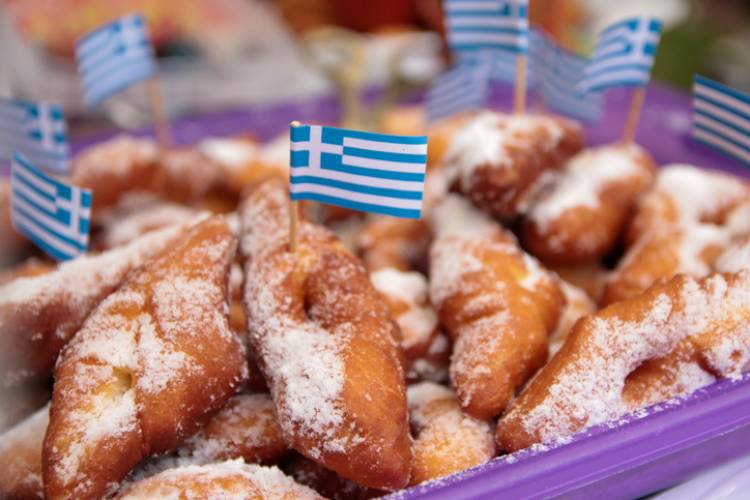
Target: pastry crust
pixel 326 344
pixel 579 216
pixel 149 367
pixel 496 302
pixel 21 457
pixel 618 359
pixel 496 159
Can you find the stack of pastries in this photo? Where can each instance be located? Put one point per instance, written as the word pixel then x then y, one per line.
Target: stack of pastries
pixel 193 354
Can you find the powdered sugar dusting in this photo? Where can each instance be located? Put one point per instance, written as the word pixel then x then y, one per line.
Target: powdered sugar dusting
pixel 454 215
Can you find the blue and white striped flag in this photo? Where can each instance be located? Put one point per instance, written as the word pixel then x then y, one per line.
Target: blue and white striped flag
pixel 559 85
pixel 462 88
pixel 38 130
pixel 721 118
pixel 113 57
pixel 363 171
pixel 487 24
pixel 624 55
pixel 52 214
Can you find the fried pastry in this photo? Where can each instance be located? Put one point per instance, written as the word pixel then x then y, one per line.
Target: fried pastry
pixel 579 215
pixel 231 479
pixel 446 440
pixel 496 302
pixel 681 226
pixel 39 314
pixel 149 367
pixel 21 457
pixel 577 305
pixel 326 344
pixel 328 483
pixel 124 226
pixel 396 243
pixel 496 159
pixel 245 428
pixel 618 359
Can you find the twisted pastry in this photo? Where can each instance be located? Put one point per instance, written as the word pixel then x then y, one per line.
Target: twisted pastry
pixel 148 368
pixel 496 302
pixel 40 313
pixel 681 226
pixel 326 344
pixel 446 439
pixel 578 218
pixel 21 457
pixel 495 159
pixel 619 358
pixel 231 479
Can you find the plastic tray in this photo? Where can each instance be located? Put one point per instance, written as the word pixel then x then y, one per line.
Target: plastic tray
pixel 634 456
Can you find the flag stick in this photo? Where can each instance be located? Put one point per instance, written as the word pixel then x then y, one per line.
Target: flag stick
pixel 631 123
pixel 293 214
pixel 519 95
pixel 161 125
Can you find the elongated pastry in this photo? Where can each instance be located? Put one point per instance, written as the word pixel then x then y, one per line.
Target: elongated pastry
pixel 326 344
pixel 496 159
pixel 596 376
pixel 21 457
pixel 149 367
pixel 496 302
pixel 245 428
pixel 231 479
pixel 446 440
pixel 682 225
pixel 39 314
pixel 579 216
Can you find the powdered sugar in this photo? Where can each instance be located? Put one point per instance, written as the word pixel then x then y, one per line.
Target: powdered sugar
pixel 454 215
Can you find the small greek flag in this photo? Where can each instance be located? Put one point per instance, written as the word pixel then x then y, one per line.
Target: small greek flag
pixel 487 24
pixel 359 170
pixel 561 73
pixel 52 214
pixel 462 88
pixel 721 118
pixel 624 55
pixel 36 129
pixel 113 57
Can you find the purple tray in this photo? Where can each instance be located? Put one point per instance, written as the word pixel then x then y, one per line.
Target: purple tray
pixel 634 456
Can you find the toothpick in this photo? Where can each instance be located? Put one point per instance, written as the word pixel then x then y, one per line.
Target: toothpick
pixel 293 214
pixel 161 125
pixel 631 123
pixel 519 95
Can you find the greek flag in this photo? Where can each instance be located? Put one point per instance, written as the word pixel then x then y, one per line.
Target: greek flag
pixel 359 170
pixel 623 55
pixel 487 24
pixel 462 88
pixel 38 130
pixel 113 57
pixel 561 73
pixel 721 118
pixel 52 214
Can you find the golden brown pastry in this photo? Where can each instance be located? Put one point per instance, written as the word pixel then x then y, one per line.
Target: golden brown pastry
pixel 446 440
pixel 149 367
pixel 326 344
pixel 496 159
pixel 231 479
pixel 618 359
pixel 39 314
pixel 577 305
pixel 396 243
pixel 496 302
pixel 579 215
pixel 21 457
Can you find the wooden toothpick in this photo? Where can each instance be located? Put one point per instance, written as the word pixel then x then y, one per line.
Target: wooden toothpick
pixel 634 114
pixel 293 212
pixel 158 115
pixel 519 95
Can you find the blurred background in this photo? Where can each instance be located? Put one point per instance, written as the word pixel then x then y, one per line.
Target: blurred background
pixel 224 54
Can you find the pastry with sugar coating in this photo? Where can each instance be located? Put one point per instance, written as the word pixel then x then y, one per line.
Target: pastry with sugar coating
pixel 328 483
pixel 619 358
pixel 123 226
pixel 231 479
pixel 577 305
pixel 579 215
pixel 446 439
pixel 40 313
pixel 326 343
pixel 498 304
pixel 681 226
pixel 148 368
pixel 21 457
pixel 495 160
